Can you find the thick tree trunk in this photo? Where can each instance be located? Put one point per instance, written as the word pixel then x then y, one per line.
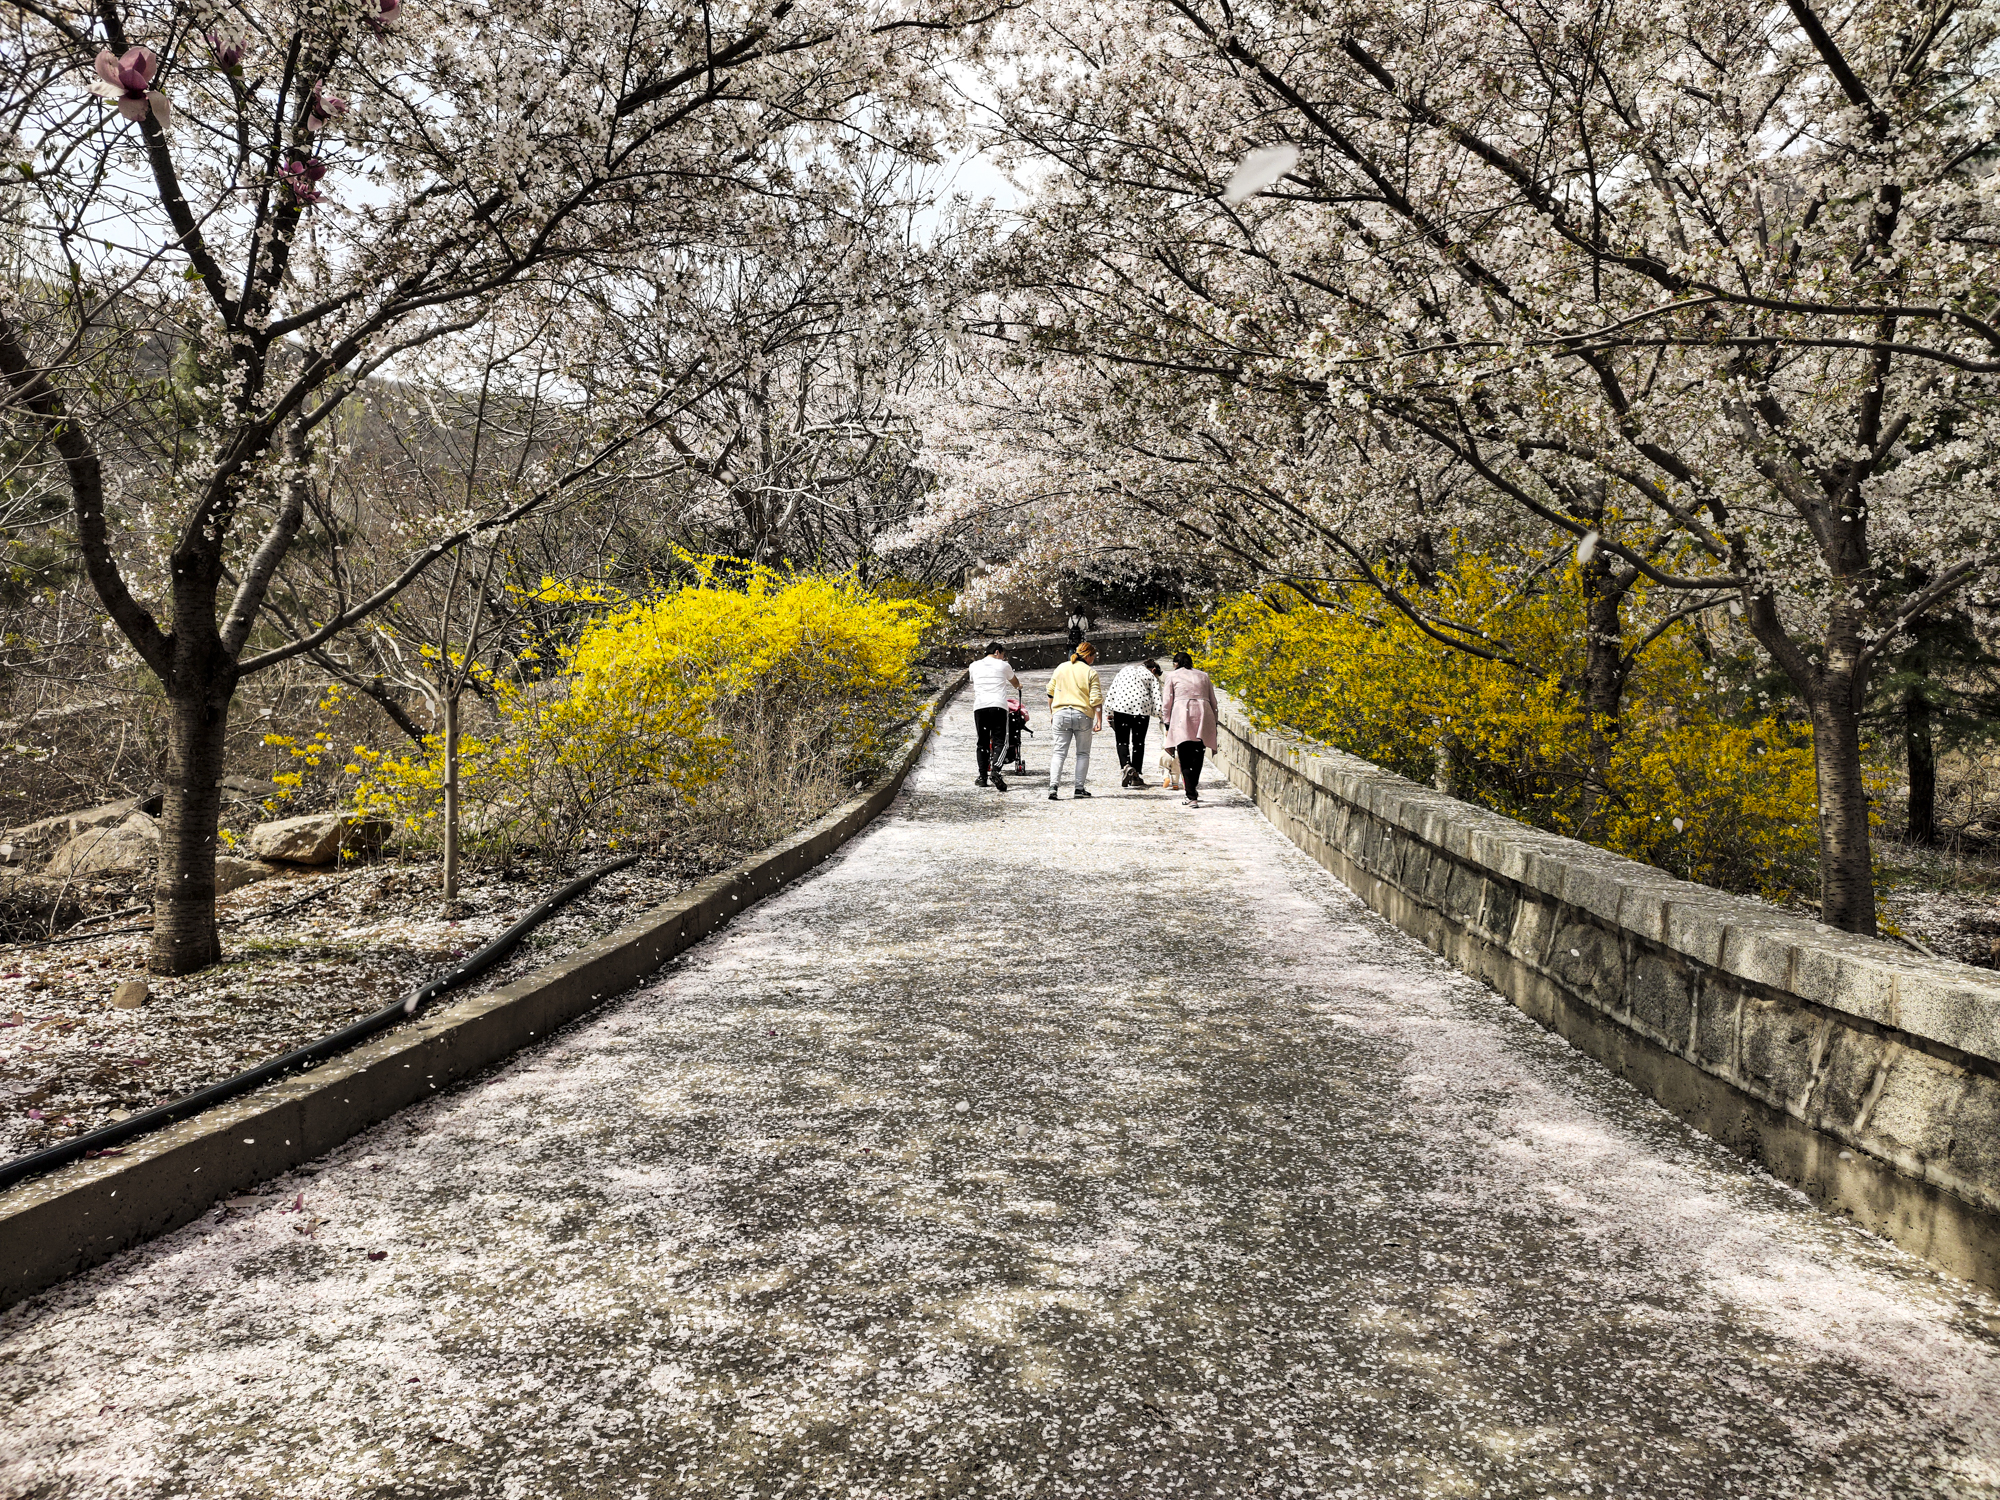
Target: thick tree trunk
pixel 1832 690
pixel 1921 756
pixel 451 797
pixel 184 932
pixel 1846 858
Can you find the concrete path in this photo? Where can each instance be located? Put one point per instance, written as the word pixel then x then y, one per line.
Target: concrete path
pixel 1092 1149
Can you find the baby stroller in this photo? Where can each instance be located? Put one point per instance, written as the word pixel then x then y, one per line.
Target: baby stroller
pixel 1017 725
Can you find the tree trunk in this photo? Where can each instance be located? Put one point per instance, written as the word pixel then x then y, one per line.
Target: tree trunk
pixel 1832 690
pixel 1921 756
pixel 451 797
pixel 184 932
pixel 1603 680
pixel 1846 863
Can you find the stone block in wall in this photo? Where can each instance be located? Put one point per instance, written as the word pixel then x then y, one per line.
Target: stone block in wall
pixel 1778 1040
pixel 1846 1080
pixel 1497 914
pixel 1593 887
pixel 1334 820
pixel 1493 849
pixel 1536 917
pixel 1367 839
pixel 1951 1006
pixel 1544 869
pixel 1758 951
pixel 1589 962
pixel 1718 1008
pixel 1439 868
pixel 1649 903
pixel 1972 1150
pixel 1464 893
pixel 1843 980
pixel 1916 1119
pixel 1454 835
pixel 1404 860
pixel 1659 999
pixel 1697 925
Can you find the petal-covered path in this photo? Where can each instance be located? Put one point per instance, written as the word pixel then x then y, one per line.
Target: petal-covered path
pixel 1092 1149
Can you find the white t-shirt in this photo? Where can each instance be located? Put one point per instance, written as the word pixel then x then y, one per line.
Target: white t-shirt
pixel 990 677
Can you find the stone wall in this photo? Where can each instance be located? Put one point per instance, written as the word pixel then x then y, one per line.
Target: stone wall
pixel 1031 653
pixel 1861 1074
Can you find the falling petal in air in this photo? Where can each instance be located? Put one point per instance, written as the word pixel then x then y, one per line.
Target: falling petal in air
pixel 1259 170
pixel 1587 548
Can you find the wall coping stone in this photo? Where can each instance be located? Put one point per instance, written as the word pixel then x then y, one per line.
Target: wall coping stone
pixel 1938 1000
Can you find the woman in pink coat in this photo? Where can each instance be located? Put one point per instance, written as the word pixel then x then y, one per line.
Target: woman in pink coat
pixel 1187 703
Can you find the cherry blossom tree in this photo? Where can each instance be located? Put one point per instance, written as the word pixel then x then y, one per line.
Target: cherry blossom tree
pixel 243 215
pixel 1709 288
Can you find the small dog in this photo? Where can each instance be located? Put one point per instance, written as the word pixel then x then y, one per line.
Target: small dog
pixel 1171 765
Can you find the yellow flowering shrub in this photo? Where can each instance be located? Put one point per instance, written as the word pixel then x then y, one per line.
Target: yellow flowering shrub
pixel 306 751
pixel 1694 783
pixel 759 678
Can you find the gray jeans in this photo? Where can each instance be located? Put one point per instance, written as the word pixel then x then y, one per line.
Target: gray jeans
pixel 1072 730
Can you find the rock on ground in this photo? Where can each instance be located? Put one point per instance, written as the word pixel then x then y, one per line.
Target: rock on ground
pixel 233 874
pixel 314 839
pixel 126 847
pixel 1030 1150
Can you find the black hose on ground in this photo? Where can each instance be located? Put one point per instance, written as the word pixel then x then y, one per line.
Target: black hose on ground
pixel 475 964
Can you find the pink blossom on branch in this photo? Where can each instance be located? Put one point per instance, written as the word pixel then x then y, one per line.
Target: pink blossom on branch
pixel 388 14
pixel 230 48
pixel 322 109
pixel 124 80
pixel 301 179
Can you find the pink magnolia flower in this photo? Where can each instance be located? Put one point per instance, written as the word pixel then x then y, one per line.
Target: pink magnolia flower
pixel 230 48
pixel 301 179
pixel 124 80
pixel 322 109
pixel 389 13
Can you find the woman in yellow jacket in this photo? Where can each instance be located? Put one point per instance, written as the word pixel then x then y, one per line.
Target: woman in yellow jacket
pixel 1076 706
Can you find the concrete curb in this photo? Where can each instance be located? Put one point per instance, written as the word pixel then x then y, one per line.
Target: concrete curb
pixel 83 1214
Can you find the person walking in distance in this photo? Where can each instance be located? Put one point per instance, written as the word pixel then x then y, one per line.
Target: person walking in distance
pixel 1076 710
pixel 992 675
pixel 1187 703
pixel 1133 702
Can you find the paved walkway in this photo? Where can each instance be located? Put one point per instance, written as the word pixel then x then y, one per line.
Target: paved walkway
pixel 1096 1149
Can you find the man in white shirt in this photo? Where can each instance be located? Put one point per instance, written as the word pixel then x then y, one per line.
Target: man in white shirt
pixel 991 677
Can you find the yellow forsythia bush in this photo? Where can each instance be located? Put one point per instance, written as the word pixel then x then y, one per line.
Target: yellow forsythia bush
pixel 756 681
pixel 1693 784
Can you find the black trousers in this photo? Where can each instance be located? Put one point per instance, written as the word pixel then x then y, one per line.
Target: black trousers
pixel 1131 732
pixel 1190 755
pixel 989 725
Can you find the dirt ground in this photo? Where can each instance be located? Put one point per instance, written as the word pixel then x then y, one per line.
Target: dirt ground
pixel 304 955
pixel 1948 900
